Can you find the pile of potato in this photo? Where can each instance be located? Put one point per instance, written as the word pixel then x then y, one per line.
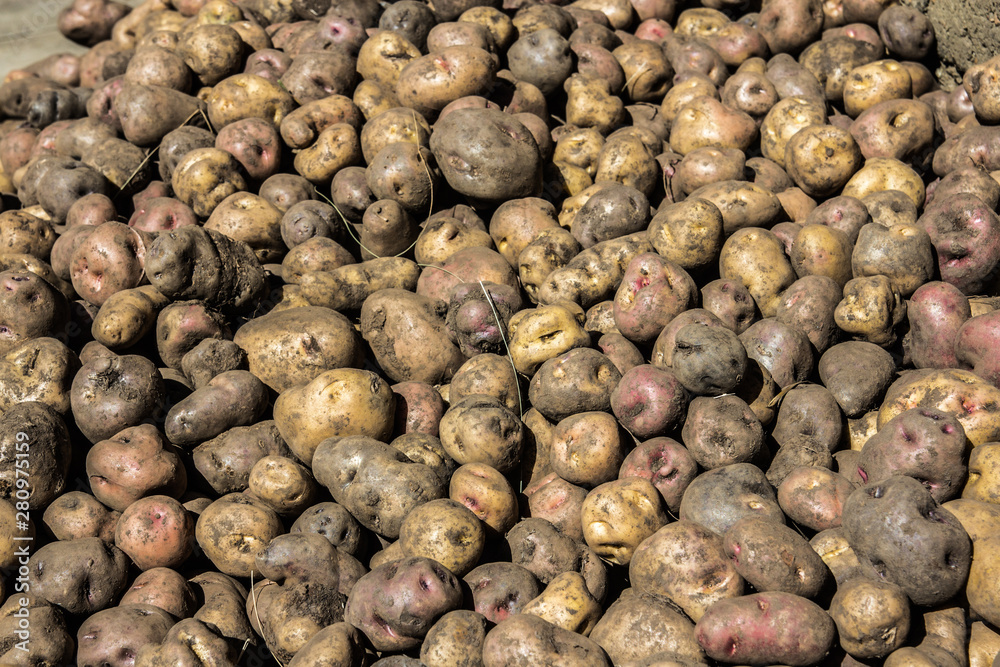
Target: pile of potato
pixel 631 332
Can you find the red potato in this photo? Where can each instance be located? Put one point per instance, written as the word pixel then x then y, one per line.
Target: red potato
pixel 976 343
pixel 766 628
pixel 936 311
pixel 966 235
pixel 666 464
pixel 653 291
pixel 156 531
pixel 649 401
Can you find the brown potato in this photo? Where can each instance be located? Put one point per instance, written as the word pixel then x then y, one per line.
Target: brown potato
pixel 817 176
pixel 618 515
pixel 755 257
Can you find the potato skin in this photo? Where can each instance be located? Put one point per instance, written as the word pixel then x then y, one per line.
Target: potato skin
pixel 774 557
pixel 533 641
pixel 766 628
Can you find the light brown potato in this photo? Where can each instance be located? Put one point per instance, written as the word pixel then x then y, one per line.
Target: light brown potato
pixel 756 257
pixel 618 515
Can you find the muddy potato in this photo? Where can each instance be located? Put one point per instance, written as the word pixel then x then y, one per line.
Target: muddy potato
pixel 109 394
pixel 685 563
pixel 787 27
pixel 647 70
pixel 428 83
pixel 591 104
pixel 446 531
pixel 707 360
pixel 542 58
pixel 643 629
pixel 535 641
pixel 559 502
pixel 204 177
pixel 336 403
pixel 708 165
pixel 74 515
pixel 952 223
pixel 814 497
pixel 831 61
pixel 254 142
pixel 821 177
pixel 982 482
pixel 773 557
pixel 875 82
pixel 283 484
pixel 539 334
pixel 81 576
pixel 755 257
pixel 891 207
pixel 455 639
pixel 244 96
pixel 458 144
pixel 871 309
pixel 721 431
pixel 719 498
pixel 872 617
pixel 612 211
pixel 580 380
pixel 980 83
pixel 481 429
pixel 705 121
pixel 618 515
pixel 252 219
pixel 518 223
pixel 23 233
pixel 885 174
pixel 392 126
pixel 335 523
pixel 354 468
pixel 234 529
pixel 39 369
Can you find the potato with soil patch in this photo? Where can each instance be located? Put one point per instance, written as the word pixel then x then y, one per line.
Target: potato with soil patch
pixel 299 596
pixel 653 291
pixel 721 431
pixel 580 380
pixel 719 498
pixel 618 515
pixel 481 429
pixel 39 369
pixel 393 321
pixel 358 468
pixel 872 617
pixel 535 641
pixel 112 393
pixel 961 227
pixel 233 398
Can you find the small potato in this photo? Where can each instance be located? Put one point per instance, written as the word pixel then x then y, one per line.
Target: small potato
pixel 456 639
pixel 567 603
pixel 119 631
pixel 643 629
pixel 428 83
pixel 283 484
pixel 577 381
pixel 110 259
pixel 501 589
pixel 755 257
pixel 39 369
pixel 814 497
pixel 902 129
pixel 618 515
pixel 559 502
pixel 480 429
pixel 901 252
pixel 872 617
pixel 155 531
pixel 774 557
pixel 445 531
pixel 233 530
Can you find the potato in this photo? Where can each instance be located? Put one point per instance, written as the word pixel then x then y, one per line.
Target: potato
pixel 181 643
pixel 39 369
pixel 537 642
pixel 871 309
pixel 719 498
pixel 355 468
pixel 722 430
pixel 872 617
pixel 204 177
pixel 618 515
pixel 684 562
pixel 876 518
pixel 855 392
pixel 952 223
pixel 755 257
pixel 831 61
pixel 501 589
pixel 559 502
pixel 356 402
pixel 900 252
pixel 109 394
pixel 155 531
pixel 81 576
pixel 296 346
pixel 418 591
pixel 705 121
pixel 785 119
pixel 950 390
pixel 538 546
pixel 233 530
pixel 78 514
pixel 819 178
pixel 135 463
pixel 163 588
pixel 173 107
pixel 774 557
pixel 446 531
pixel 766 627
pixel 456 639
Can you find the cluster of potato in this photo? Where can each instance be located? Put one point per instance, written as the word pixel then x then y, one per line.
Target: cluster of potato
pixel 622 332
